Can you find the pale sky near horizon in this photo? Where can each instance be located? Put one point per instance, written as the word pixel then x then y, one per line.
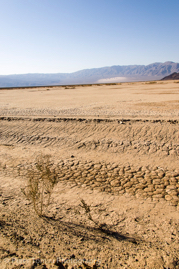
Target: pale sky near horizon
pixel 63 36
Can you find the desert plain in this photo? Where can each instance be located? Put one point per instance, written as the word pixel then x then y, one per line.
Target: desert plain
pixel 115 146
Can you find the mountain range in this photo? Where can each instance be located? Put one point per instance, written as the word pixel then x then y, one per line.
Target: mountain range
pixel 117 73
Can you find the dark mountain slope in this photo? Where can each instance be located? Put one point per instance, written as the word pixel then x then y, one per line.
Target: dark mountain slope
pixel 173 76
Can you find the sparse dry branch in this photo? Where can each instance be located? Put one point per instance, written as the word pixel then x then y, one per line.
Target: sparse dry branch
pixel 88 213
pixel 41 181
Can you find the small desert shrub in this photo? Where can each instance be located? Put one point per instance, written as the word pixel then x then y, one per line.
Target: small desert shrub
pixel 86 85
pixel 87 209
pixel 151 82
pixel 97 84
pixel 41 180
pixel 69 87
pixel 111 84
pixel 4 167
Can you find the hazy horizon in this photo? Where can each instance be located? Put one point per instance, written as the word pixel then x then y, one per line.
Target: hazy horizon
pixel 82 70
pixel 68 36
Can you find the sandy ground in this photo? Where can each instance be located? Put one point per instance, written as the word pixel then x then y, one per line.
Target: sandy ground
pixel 128 124
pixel 139 100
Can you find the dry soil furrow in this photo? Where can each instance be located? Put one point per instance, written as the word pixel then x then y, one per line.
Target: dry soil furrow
pixel 160 133
pixel 130 141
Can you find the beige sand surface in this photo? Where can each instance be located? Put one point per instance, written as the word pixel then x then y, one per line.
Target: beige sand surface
pixel 139 99
pixel 116 147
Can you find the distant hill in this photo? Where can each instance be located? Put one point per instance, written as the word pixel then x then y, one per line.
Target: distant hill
pixel 173 76
pixel 117 73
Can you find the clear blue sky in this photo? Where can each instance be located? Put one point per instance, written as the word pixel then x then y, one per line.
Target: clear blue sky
pixel 60 36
